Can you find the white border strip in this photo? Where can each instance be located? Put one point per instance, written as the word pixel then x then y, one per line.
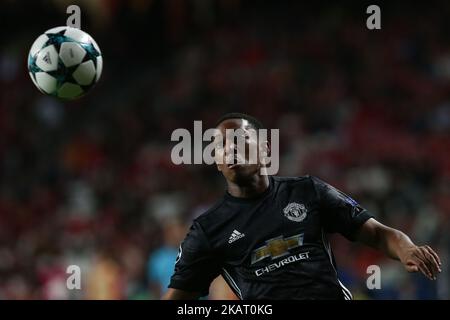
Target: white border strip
pixel 232 283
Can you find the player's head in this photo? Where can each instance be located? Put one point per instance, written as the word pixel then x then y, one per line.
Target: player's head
pixel 238 164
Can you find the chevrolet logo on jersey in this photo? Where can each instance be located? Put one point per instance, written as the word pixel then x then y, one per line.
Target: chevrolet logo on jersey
pixel 277 247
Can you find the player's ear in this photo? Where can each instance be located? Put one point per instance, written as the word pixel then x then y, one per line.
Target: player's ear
pixel 265 148
pixel 217 161
pixel 264 153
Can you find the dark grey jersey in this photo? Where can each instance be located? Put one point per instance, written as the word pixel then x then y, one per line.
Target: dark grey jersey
pixel 273 246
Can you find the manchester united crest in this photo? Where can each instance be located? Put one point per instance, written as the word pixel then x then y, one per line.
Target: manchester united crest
pixel 295 212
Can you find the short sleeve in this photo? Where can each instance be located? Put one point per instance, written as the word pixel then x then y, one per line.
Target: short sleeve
pixel 339 212
pixel 196 265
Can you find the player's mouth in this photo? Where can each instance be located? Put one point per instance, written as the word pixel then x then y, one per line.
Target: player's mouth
pixel 235 163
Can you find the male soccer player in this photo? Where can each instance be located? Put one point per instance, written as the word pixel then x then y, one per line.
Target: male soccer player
pixel 268 235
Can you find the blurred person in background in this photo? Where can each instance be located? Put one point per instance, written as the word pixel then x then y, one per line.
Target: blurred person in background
pixel 162 260
pixel 105 279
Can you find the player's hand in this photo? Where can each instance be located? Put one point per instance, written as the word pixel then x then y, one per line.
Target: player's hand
pixel 423 259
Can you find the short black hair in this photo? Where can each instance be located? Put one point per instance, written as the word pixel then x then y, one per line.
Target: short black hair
pixel 255 123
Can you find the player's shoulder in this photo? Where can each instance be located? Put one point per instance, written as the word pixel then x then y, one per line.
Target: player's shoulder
pixel 212 214
pixel 307 180
pixel 306 183
pixel 291 179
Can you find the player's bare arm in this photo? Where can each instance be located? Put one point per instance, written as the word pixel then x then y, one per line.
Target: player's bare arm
pixel 177 294
pixel 399 246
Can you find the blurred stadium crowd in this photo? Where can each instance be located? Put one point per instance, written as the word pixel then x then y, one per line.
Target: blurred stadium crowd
pixel 91 183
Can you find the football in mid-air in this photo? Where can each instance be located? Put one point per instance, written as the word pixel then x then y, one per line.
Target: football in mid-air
pixel 65 62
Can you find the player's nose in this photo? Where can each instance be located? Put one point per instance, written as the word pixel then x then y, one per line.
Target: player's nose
pixel 230 148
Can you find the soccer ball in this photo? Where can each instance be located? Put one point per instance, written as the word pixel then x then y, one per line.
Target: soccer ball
pixel 65 62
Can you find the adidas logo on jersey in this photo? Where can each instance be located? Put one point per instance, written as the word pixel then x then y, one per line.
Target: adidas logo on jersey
pixel 47 59
pixel 235 235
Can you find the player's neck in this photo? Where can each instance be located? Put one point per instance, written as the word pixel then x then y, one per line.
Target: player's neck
pixel 251 188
